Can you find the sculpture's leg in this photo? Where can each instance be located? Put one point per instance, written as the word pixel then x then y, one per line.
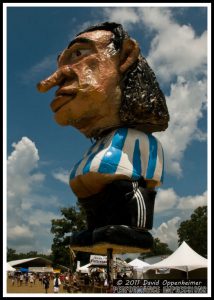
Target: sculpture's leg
pixel 121 215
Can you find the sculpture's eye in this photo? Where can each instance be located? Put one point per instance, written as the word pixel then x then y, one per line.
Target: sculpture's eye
pixel 79 53
pixel 70 56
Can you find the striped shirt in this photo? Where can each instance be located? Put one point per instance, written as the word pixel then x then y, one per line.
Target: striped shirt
pixel 124 151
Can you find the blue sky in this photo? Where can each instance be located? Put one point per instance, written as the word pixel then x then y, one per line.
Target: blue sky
pixel 40 153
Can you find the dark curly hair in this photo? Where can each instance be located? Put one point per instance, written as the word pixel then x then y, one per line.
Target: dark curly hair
pixel 143 103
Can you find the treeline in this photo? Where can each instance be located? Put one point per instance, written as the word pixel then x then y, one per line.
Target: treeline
pixel 12 255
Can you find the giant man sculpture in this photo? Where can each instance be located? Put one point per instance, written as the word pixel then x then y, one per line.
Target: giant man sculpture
pixel 107 91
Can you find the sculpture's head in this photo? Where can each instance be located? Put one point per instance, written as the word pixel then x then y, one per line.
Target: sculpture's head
pixel 104 83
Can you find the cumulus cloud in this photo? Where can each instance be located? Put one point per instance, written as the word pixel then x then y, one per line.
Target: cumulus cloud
pixel 165 200
pixel 181 55
pixel 192 202
pixel 39 217
pixel 28 212
pixel 20 164
pixel 62 176
pixel 167 232
pixel 124 15
pixel 185 105
pixel 19 231
pixel 168 199
pixel 44 66
pixel 169 203
pixel 175 49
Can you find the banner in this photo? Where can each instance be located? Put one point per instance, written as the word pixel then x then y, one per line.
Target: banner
pixel 98 260
pixel 40 269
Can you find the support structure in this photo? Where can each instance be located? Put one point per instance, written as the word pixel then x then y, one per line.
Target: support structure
pixel 110 267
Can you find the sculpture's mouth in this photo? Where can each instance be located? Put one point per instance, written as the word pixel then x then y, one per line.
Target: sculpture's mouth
pixel 62 98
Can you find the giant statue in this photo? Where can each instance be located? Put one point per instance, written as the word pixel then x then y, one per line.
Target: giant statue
pixel 107 90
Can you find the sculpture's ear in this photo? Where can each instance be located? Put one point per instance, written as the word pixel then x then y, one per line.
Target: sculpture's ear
pixel 129 54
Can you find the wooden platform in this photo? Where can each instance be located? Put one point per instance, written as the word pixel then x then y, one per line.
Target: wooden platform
pixel 101 248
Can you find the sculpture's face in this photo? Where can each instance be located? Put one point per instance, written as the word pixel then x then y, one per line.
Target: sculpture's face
pixel 89 94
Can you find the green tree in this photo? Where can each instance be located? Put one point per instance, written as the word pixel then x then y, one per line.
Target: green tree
pixel 11 254
pixel 158 248
pixel 73 220
pixel 194 231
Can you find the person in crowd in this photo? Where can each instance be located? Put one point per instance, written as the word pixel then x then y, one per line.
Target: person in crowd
pixel 34 279
pixel 46 283
pixel 102 277
pixel 61 277
pixel 17 278
pixel 86 280
pixel 31 279
pixel 13 279
pixel 56 283
pixel 40 278
pixel 75 279
pixel 21 279
pixel 26 278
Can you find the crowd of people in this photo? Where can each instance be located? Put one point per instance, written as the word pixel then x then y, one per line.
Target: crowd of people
pixel 32 279
pixel 72 282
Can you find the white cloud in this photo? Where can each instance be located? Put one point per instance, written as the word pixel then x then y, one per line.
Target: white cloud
pixel 29 213
pixel 167 232
pixel 192 202
pixel 40 217
pixel 123 15
pixel 165 200
pixel 155 18
pixel 19 231
pixel 168 199
pixel 169 203
pixel 20 164
pixel 185 105
pixel 175 49
pixel 46 65
pixel 62 176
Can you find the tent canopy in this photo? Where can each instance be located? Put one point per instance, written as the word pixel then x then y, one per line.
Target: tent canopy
pixel 138 264
pixel 84 269
pixel 33 262
pixel 184 258
pixel 23 270
pixel 9 268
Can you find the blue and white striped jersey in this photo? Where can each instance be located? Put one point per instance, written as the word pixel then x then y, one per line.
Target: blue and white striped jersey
pixel 124 151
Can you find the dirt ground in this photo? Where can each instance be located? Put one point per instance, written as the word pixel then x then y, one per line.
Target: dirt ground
pixel 38 288
pixel 34 289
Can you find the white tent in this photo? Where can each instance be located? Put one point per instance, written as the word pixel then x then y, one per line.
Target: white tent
pixel 138 266
pixel 34 261
pixel 84 269
pixel 184 258
pixel 138 263
pixel 9 268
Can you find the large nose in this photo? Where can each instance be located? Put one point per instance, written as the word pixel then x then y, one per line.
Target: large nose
pixel 59 76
